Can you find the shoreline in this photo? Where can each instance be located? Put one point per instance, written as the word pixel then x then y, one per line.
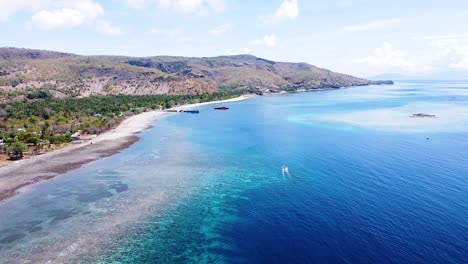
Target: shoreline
pixel 22 173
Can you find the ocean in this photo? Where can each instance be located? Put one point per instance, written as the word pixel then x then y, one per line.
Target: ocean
pixel 367 183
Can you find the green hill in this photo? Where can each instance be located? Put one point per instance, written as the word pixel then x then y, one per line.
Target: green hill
pixel 23 71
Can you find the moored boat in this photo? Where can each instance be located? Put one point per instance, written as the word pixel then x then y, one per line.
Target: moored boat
pixel 221 108
pixel 192 111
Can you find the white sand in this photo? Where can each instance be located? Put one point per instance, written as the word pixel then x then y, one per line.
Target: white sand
pixel 189 106
pixel 130 126
pixel 137 123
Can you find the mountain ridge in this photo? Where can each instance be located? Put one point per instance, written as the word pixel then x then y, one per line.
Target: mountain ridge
pixel 71 75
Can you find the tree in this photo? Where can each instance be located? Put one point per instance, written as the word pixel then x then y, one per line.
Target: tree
pixel 41 94
pixel 3 113
pixel 10 140
pixel 16 150
pixel 34 120
pixel 46 112
pixel 33 140
pixel 50 118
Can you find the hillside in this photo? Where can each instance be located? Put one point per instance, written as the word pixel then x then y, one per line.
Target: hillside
pixel 67 75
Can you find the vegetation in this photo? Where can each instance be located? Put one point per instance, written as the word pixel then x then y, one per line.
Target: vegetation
pixel 16 150
pixel 40 94
pixel 67 75
pixel 41 123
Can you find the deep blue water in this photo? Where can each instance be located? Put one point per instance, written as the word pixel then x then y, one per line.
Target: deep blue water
pixel 355 194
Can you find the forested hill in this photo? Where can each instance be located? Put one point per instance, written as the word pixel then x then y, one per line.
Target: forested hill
pixel 24 72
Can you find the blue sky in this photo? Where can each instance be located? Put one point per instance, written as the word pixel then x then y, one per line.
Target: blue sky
pixel 359 37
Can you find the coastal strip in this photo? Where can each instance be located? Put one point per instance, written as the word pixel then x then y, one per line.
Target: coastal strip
pixel 47 166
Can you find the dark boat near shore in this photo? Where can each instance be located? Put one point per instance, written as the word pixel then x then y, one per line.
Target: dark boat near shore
pixel 221 108
pixel 192 111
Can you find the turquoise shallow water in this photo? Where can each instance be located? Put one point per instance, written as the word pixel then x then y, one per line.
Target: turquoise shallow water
pixel 376 187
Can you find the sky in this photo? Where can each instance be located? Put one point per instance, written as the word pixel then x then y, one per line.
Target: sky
pixel 359 37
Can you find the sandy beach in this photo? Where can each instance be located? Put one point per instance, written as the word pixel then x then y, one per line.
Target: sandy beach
pixel 47 166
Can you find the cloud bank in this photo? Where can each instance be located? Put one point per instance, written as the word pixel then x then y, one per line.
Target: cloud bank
pixel 288 10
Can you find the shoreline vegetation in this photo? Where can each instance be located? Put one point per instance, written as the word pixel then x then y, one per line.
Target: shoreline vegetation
pixel 22 173
pixel 43 124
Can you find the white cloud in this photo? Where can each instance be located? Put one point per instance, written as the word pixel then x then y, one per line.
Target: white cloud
pixel 69 14
pixel 77 14
pixel 10 7
pixel 451 51
pixel 217 6
pixel 387 58
pixel 440 54
pixel 201 7
pixel 135 4
pixel 171 33
pixel 106 28
pixel 270 40
pixel 220 30
pixel 267 40
pixel 288 10
pixel 458 36
pixel 373 25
